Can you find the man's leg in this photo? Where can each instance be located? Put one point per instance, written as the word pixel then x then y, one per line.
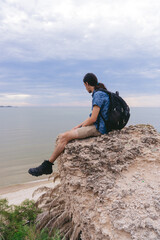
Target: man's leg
pixel 63 139
pixel 46 166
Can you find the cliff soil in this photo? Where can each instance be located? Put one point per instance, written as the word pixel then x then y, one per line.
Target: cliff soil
pixel 109 186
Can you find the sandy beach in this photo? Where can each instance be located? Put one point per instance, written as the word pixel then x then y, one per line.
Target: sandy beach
pixel 16 194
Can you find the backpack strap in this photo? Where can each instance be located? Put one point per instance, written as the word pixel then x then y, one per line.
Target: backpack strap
pixel 100 114
pixel 98 123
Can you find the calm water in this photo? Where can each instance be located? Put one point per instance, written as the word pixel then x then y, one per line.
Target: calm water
pixel 27 135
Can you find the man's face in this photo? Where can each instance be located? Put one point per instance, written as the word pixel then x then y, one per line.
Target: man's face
pixel 88 87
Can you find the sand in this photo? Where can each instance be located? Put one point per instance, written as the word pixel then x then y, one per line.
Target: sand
pixel 16 194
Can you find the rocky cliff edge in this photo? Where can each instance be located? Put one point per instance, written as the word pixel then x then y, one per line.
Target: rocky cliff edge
pixel 110 186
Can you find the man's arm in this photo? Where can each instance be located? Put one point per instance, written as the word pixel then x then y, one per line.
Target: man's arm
pixel 93 118
pixel 90 120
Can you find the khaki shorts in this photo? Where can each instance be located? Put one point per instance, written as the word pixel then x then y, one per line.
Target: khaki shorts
pixel 88 131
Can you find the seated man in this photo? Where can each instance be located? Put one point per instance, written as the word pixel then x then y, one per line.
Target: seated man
pixel 92 126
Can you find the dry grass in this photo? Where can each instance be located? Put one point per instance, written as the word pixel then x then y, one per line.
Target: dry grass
pixel 54 215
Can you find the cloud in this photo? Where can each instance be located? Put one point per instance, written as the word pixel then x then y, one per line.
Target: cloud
pixel 38 30
pixel 58 82
pixel 48 46
pixel 72 104
pixel 145 72
pixel 15 96
pixel 144 101
pixel 151 73
pixel 14 99
pixel 70 98
pixel 47 97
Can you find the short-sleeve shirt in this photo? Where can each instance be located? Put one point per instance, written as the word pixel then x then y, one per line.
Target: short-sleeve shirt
pixel 101 99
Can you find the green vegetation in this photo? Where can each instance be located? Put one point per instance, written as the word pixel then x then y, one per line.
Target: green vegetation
pixel 18 222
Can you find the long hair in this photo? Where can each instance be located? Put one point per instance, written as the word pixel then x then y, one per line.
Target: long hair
pixel 92 80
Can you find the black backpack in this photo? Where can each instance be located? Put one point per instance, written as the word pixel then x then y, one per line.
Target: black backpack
pixel 118 112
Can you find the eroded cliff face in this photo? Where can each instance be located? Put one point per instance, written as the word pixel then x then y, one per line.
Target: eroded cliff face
pixel 111 184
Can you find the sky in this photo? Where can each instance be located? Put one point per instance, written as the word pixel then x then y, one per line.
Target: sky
pixel 46 48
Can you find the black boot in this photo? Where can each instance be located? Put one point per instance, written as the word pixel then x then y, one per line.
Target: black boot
pixel 44 168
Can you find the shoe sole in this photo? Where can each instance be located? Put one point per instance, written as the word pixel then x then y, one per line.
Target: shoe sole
pixel 37 175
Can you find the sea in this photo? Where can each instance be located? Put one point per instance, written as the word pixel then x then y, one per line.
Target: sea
pixel 28 134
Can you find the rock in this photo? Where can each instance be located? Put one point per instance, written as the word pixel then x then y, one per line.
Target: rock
pixel 111 184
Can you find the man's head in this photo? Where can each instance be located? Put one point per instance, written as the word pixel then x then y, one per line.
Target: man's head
pixel 90 81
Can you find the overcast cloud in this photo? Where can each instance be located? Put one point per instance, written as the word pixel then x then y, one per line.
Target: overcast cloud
pixel 48 46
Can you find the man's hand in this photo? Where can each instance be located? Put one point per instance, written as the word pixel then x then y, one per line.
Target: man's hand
pixel 78 126
pixel 89 121
pixel 75 127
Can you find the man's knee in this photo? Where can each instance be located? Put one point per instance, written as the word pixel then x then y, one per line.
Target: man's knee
pixel 60 138
pixel 63 137
pixel 68 136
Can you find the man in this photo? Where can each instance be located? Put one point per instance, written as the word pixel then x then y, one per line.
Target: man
pixel 92 126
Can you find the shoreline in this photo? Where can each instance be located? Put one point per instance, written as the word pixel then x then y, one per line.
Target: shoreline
pixel 19 186
pixel 16 194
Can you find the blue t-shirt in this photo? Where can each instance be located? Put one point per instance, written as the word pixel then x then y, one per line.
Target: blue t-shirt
pixel 101 99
